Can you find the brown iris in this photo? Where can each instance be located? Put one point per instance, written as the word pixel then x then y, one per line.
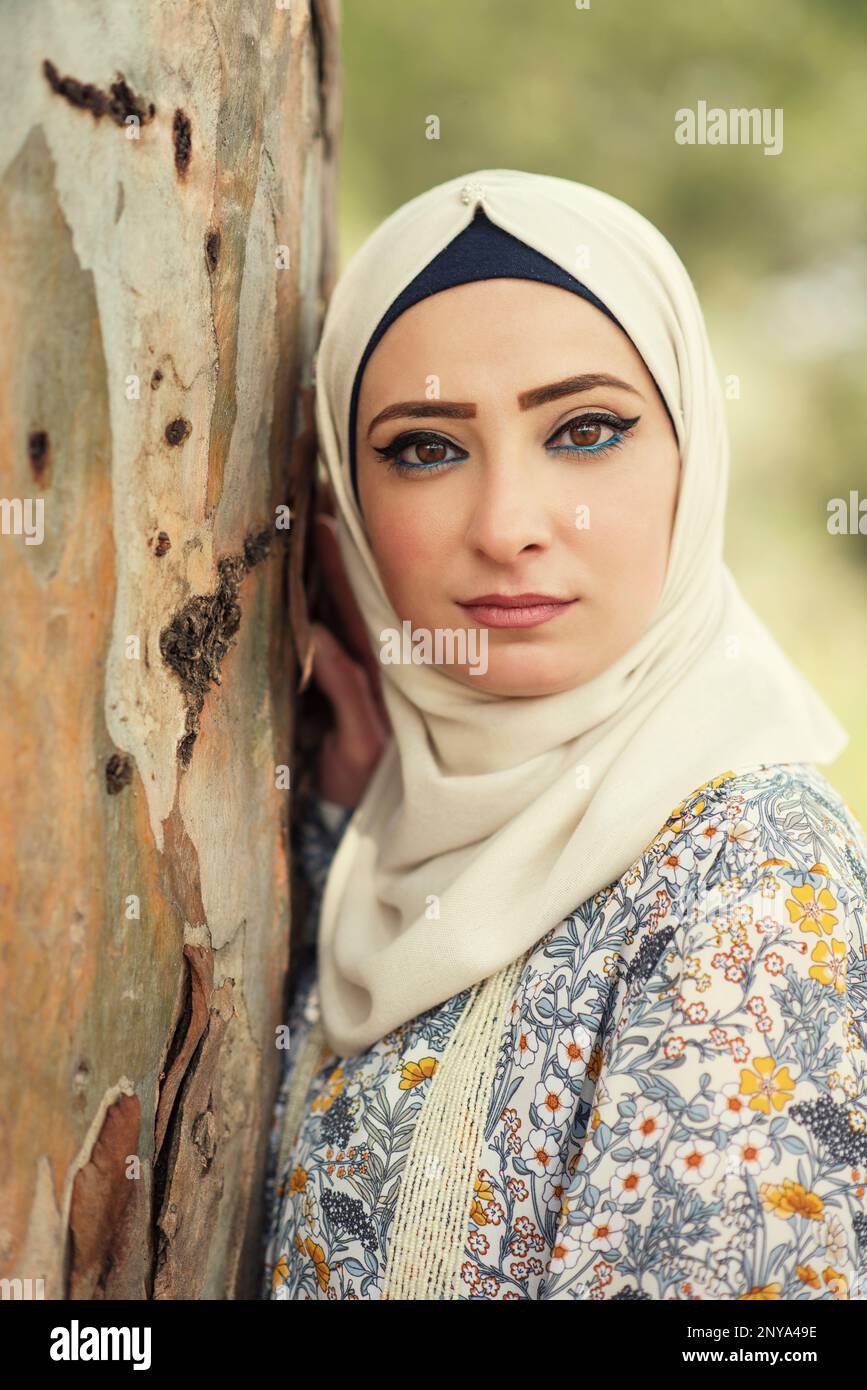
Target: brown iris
pixel 587 432
pixel 429 453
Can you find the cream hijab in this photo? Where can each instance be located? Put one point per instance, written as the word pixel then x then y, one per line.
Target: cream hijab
pixel 503 815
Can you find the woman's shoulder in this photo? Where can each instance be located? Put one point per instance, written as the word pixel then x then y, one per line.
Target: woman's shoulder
pixel 774 815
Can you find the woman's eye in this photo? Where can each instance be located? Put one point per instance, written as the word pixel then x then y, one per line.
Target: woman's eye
pixel 591 434
pixel 421 452
pixel 418 453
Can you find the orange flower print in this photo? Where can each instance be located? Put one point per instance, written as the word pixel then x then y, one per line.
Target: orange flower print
pixel 298 1180
pixel 280 1272
pixel 791 1199
pixel 808 1275
pixel 739 1049
pixel 317 1255
pixel 333 1086
pixel 837 1282
pixel 831 966
pixel 812 911
pixel 766 1086
pixel 761 1292
pixel 594 1066
pixel 414 1073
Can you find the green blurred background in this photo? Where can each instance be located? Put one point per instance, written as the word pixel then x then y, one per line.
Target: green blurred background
pixel 774 244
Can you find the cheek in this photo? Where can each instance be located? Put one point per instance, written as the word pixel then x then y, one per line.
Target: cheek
pixel 407 545
pixel 626 544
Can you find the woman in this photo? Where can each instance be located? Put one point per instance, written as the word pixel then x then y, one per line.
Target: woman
pixel 575 1019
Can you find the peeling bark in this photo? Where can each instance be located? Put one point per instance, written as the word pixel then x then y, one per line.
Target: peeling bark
pixel 167 184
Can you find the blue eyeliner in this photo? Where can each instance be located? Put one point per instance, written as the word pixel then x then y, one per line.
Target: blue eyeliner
pixel 391 452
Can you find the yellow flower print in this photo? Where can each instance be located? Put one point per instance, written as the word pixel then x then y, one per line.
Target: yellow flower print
pixel 279 1272
pixel 483 1192
pixel 761 1292
pixel 791 1199
pixel 413 1073
pixel 812 910
pixel 831 967
pixel 729 886
pixel 808 1275
pixel 765 1086
pixel 674 821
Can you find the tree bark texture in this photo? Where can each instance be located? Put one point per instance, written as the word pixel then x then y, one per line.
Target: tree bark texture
pixel 167 172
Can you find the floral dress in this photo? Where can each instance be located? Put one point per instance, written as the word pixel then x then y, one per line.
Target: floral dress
pixel 679 1108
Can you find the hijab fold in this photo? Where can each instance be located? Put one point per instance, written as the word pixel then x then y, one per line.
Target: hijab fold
pixel 489 819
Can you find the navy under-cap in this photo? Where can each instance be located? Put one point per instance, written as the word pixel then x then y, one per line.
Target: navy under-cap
pixel 482 251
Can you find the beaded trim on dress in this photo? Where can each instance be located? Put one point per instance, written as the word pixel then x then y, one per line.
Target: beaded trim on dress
pixel 426 1244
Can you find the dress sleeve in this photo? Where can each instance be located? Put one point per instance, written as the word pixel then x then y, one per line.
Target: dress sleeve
pixel 726 1150
pixel 317 839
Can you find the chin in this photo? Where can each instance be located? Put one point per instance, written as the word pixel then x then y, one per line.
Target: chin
pixel 522 673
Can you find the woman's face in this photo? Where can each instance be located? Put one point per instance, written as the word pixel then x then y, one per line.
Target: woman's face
pixel 517 480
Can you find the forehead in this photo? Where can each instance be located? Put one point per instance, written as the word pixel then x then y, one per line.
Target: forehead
pixel 494 334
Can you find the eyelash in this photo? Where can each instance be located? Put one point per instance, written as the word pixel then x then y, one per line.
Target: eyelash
pixel 391 452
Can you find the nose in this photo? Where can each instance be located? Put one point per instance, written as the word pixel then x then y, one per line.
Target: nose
pixel 511 511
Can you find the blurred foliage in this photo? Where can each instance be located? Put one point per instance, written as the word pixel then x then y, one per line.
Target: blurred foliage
pixel 774 244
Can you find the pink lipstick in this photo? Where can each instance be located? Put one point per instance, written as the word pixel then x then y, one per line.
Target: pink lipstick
pixel 515 610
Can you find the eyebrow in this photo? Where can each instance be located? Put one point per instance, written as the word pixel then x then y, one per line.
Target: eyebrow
pixel 540 395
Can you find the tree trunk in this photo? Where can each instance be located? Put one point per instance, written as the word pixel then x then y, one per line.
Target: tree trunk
pixel 166 219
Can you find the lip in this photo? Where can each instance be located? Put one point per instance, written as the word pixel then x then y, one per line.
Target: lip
pixel 515 610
